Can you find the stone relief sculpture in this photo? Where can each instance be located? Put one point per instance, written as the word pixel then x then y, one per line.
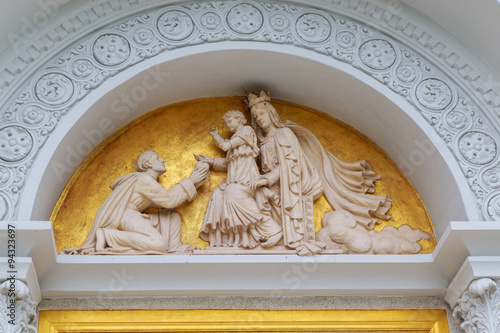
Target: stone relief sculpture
pixel 341 231
pixel 276 207
pixel 298 170
pixel 121 227
pixel 267 208
pixel 234 217
pixel 424 83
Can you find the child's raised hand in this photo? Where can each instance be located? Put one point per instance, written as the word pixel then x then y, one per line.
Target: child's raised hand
pixel 214 130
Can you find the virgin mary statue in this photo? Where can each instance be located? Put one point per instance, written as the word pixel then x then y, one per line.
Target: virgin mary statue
pixel 298 170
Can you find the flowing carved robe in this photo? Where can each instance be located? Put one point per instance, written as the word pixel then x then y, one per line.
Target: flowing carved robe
pixel 233 205
pixel 299 169
pixel 127 229
pixel 291 176
pixel 345 184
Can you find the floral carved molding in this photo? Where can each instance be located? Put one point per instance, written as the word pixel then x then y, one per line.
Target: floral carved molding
pixel 17 310
pixel 478 310
pixel 51 92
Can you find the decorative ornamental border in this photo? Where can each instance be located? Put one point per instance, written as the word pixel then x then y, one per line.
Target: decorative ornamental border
pixel 52 91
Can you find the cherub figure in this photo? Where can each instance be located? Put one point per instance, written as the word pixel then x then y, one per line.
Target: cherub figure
pixel 234 217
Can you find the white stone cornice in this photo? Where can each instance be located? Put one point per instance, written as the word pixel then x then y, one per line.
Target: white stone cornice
pixel 169 275
pixel 473 268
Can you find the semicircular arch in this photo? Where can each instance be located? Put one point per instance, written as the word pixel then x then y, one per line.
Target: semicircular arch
pixel 434 105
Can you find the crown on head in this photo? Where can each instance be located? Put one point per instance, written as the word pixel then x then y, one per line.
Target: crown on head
pixel 256 97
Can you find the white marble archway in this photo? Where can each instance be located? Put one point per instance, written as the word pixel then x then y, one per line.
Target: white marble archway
pixel 417 95
pixel 60 91
pixel 222 70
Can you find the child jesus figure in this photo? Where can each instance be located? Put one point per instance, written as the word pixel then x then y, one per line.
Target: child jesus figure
pixel 234 217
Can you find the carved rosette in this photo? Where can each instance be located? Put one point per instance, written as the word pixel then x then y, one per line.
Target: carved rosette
pixel 175 25
pixel 22 318
pixel 477 147
pixel 407 73
pixel 33 115
pixel 245 19
pixel 434 94
pixel 456 120
pixel 143 36
pixel 111 50
pixel 478 310
pixel 345 40
pixel 211 21
pixel 492 207
pixel 279 23
pixel 82 68
pixel 72 74
pixel 491 177
pixel 15 143
pixel 54 89
pixel 313 28
pixel 377 54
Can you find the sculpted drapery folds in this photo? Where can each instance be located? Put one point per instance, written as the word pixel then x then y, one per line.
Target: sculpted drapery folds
pixel 234 217
pixel 269 209
pixel 120 227
pixel 299 170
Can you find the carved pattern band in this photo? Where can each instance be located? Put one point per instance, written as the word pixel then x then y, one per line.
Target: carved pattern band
pixel 73 74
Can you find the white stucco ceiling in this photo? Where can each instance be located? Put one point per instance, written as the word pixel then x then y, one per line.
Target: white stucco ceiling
pixel 475 24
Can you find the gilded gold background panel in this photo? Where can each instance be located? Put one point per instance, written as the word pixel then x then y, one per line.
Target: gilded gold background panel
pixel 180 130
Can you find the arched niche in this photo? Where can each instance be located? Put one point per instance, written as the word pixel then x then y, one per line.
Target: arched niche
pixel 225 69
